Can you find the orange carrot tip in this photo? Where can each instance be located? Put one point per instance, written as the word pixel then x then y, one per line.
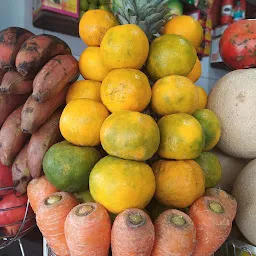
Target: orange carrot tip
pixel 228 201
pixel 38 189
pixel 50 217
pixel 132 234
pixel 88 230
pixel 175 234
pixel 213 225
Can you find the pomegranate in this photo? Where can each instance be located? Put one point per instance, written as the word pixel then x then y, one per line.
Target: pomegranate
pixel 238 45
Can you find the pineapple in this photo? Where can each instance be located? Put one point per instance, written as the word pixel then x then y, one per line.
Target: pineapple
pixel 149 15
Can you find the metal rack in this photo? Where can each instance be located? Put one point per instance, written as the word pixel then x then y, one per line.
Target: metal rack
pixel 6 240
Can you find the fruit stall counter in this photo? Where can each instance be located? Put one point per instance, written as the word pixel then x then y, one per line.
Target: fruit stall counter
pixel 127 155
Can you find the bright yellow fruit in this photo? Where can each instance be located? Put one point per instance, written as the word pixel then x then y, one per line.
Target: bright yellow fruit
pixel 178 183
pixel 81 121
pixel 182 137
pixel 91 66
pixel 202 98
pixel 170 55
pixel 174 94
pixel 94 24
pixel 124 46
pixel 125 89
pixel 120 184
pixel 84 89
pixel 196 72
pixel 187 27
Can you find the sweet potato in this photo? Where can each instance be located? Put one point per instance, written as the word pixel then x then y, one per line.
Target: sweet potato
pixel 2 72
pixel 41 140
pixel 14 83
pixel 34 114
pixel 54 76
pixel 8 103
pixel 36 51
pixel 12 139
pixel 20 172
pixel 11 40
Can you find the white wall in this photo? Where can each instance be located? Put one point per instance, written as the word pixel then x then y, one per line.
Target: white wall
pixel 19 13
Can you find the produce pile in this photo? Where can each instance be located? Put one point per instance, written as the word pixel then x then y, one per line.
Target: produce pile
pixel 125 158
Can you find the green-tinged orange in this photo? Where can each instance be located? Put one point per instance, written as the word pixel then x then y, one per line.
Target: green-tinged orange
pixel 178 183
pixel 211 167
pixel 170 55
pixel 174 94
pixel 120 184
pixel 68 167
pixel 182 137
pixel 124 46
pixel 211 127
pixel 130 135
pixel 125 89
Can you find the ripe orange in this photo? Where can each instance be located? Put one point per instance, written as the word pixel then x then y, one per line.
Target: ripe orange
pixel 125 89
pixel 202 98
pixel 196 72
pixel 187 27
pixel 91 66
pixel 94 24
pixel 178 183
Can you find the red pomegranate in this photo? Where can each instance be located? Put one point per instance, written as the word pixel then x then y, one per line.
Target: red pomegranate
pixel 238 45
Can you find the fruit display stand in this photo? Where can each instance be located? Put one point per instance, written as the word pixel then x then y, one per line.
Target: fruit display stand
pixel 7 240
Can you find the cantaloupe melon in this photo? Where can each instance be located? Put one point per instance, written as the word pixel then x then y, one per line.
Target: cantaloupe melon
pixel 231 167
pixel 244 191
pixel 233 100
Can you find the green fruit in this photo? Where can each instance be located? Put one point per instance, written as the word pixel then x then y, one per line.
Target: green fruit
pixel 94 2
pixel 84 197
pixel 68 167
pixel 176 7
pixel 93 7
pixel 104 7
pixel 84 5
pixel 104 2
pixel 211 167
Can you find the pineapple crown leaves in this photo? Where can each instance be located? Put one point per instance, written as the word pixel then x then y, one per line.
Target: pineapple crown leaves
pixel 149 15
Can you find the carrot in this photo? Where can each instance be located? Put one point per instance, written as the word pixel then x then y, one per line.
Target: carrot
pixel 227 200
pixel 38 50
pixel 50 217
pixel 175 234
pixel 41 140
pixel 11 40
pixel 38 189
pixel 8 103
pixel 14 83
pixel 132 234
pixel 212 223
pixel 34 114
pixel 54 76
pixel 12 139
pixel 88 230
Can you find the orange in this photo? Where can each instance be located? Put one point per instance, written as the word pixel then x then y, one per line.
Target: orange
pixel 182 137
pixel 196 72
pixel 211 127
pixel 170 55
pixel 84 89
pixel 187 27
pixel 120 184
pixel 94 24
pixel 202 98
pixel 174 94
pixel 178 183
pixel 81 121
pixel 124 46
pixel 125 89
pixel 91 66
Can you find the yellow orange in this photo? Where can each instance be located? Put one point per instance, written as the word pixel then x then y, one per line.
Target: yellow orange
pixel 202 98
pixel 187 27
pixel 94 24
pixel 196 72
